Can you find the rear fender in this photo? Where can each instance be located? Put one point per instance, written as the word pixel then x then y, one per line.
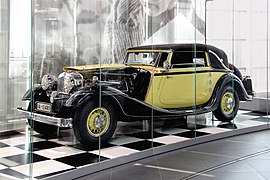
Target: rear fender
pixel 236 83
pixel 247 82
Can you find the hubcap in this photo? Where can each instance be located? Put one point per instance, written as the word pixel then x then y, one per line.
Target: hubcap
pixel 98 122
pixel 228 103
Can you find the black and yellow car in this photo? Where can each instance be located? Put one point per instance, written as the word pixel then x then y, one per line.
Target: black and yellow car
pixel 159 82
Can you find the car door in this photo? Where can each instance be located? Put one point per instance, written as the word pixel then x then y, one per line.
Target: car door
pixel 188 77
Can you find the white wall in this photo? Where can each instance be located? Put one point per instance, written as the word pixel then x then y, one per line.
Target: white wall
pixel 242 33
pixel 4 44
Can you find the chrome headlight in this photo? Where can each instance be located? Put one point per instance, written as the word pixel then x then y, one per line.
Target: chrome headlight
pixel 68 80
pixel 47 82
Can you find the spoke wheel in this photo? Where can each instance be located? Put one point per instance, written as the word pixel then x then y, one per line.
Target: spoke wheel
pixel 98 122
pixel 228 105
pixel 93 125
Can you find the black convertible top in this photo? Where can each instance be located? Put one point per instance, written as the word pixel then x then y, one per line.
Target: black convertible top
pixel 186 47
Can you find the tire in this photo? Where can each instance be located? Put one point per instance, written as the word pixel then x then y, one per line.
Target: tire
pixel 92 124
pixel 228 105
pixel 42 128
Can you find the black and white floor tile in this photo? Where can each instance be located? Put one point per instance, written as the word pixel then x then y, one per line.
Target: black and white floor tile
pixel 29 154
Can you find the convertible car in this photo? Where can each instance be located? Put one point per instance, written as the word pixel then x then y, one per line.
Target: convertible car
pixel 160 82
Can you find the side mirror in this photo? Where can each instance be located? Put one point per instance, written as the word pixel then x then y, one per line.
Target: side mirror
pixel 166 65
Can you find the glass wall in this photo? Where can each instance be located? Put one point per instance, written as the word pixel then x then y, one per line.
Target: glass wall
pixel 15 50
pixel 76 33
pixel 80 34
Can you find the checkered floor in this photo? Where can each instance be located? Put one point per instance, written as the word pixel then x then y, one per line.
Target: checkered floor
pixel 53 155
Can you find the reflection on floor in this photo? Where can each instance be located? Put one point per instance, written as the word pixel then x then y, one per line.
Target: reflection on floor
pixel 53 155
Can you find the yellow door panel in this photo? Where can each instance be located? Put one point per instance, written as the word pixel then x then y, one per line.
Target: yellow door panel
pixel 203 85
pixel 176 89
pixel 154 90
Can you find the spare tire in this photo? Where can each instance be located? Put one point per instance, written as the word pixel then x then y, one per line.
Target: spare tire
pixel 236 71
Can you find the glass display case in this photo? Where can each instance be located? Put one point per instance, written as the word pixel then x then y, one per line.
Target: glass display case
pixel 101 83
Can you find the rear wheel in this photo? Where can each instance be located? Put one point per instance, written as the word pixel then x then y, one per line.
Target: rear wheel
pixel 91 123
pixel 228 105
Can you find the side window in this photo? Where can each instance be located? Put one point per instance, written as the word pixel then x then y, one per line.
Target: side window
pixel 163 57
pixel 186 59
pixel 215 62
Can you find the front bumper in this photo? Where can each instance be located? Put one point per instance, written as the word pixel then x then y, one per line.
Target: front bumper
pixel 55 121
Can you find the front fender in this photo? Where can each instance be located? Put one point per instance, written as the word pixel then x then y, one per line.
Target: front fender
pixel 108 95
pixel 80 97
pixel 30 93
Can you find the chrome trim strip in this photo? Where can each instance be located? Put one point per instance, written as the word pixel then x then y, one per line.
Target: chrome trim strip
pixel 60 122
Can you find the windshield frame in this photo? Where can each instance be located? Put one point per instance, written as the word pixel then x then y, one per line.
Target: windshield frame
pixel 146 51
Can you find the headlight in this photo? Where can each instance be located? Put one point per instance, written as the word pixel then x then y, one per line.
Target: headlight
pixel 69 82
pixel 47 82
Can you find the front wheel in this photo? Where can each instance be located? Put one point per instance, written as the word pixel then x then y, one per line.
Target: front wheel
pixel 91 123
pixel 228 105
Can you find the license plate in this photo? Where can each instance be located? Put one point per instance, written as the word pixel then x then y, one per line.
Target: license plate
pixel 46 107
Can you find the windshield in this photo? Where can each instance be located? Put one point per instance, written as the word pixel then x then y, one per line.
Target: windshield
pixel 145 58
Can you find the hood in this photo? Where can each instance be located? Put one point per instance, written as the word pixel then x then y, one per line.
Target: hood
pixel 110 66
pixel 93 67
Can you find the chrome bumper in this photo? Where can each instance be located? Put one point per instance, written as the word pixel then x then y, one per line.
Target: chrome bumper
pixel 60 122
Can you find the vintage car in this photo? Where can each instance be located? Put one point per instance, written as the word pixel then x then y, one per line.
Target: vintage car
pixel 159 82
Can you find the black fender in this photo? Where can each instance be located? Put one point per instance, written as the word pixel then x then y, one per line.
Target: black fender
pixel 36 94
pixel 80 97
pixel 30 93
pixel 76 101
pixel 236 71
pixel 83 96
pixel 125 106
pixel 226 80
pixel 232 80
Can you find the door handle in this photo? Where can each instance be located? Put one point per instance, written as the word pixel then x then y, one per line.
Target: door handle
pixel 169 77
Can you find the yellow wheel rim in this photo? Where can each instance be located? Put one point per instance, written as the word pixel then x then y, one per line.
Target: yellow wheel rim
pixel 98 122
pixel 227 103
